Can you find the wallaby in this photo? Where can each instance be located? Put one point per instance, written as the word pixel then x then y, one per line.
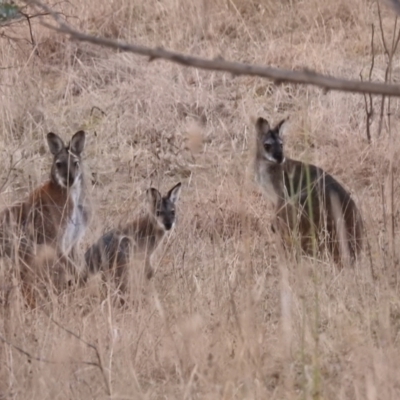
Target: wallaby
pixel 54 215
pixel 116 249
pixel 308 201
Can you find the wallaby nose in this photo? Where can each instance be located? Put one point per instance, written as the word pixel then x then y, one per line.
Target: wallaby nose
pixel 168 225
pixel 279 158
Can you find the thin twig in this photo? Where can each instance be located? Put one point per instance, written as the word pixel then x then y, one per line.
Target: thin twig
pixel 369 108
pixel 383 247
pixel 99 109
pixel 381 29
pixel 99 363
pixel 389 68
pixel 388 71
pixel 13 38
pixel 12 67
pixel 40 359
pixel 33 42
pixel 306 76
pixel 387 53
pixel 20 19
pixel 12 167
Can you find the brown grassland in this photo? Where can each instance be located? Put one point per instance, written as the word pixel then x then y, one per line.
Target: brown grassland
pixel 228 315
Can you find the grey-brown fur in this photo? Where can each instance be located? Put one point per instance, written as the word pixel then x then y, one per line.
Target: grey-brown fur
pixel 115 250
pixel 308 201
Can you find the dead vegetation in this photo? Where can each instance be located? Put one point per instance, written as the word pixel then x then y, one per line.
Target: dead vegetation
pixel 227 315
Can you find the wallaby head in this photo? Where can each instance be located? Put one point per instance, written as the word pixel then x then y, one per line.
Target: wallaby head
pixel 66 168
pixel 163 208
pixel 269 141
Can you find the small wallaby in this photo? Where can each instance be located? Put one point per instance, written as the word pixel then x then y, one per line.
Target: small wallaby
pixel 308 201
pixel 54 214
pixel 115 250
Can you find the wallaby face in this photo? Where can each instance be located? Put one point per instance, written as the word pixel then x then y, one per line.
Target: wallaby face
pixel 269 141
pixel 163 208
pixel 66 168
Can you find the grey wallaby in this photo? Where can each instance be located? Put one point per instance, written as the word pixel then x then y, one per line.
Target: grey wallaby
pixel 116 249
pixel 308 201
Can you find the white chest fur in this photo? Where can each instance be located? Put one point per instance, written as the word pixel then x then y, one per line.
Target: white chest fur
pixel 264 179
pixel 76 224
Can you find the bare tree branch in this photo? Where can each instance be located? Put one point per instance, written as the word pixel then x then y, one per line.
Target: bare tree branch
pixel 277 75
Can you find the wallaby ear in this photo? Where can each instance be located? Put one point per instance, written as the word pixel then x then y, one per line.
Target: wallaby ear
pixel 262 126
pixel 77 143
pixel 153 197
pixel 55 143
pixel 280 126
pixel 174 193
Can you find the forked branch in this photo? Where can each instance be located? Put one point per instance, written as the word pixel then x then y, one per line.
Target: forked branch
pixel 306 76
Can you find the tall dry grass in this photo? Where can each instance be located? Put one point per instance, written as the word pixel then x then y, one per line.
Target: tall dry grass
pixel 228 314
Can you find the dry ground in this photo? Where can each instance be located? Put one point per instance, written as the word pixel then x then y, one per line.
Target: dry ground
pixel 227 315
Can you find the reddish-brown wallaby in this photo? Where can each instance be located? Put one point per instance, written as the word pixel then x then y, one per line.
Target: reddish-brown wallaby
pixel 54 215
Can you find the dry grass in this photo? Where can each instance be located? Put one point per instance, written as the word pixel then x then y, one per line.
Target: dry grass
pixel 227 315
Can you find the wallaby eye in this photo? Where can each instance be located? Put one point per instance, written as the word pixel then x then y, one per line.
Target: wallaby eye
pixel 267 146
pixel 173 212
pixel 158 213
pixel 58 164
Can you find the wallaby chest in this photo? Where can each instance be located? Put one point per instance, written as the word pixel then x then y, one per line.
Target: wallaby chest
pixel 285 183
pixel 75 222
pixel 270 178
